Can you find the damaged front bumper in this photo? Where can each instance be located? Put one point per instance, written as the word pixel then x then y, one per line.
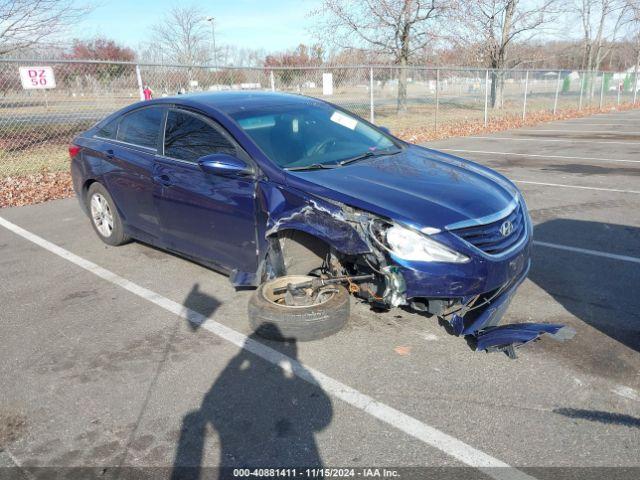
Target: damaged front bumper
pixel 481 323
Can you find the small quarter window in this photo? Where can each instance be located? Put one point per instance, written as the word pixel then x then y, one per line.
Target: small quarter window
pixel 108 130
pixel 141 127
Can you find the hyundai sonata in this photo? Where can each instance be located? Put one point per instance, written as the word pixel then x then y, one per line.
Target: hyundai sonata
pixel 309 203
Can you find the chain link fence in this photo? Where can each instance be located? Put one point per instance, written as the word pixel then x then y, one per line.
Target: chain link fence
pixel 36 125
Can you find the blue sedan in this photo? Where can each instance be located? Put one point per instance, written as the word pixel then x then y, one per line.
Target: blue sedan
pixel 309 203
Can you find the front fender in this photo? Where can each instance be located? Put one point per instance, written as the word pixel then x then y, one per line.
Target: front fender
pixel 290 209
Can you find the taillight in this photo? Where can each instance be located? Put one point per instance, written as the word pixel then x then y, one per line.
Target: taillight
pixel 73 150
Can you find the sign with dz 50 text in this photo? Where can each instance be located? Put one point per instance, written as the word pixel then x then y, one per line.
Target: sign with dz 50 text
pixel 37 77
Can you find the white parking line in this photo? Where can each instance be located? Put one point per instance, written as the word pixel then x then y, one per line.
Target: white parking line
pixel 599 124
pixel 597 253
pixel 626 392
pixel 421 431
pixel 485 152
pixel 596 118
pixel 580 187
pixel 617 132
pixel 626 113
pixel 555 140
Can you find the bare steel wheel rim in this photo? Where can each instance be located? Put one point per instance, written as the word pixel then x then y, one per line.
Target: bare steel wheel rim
pixel 101 215
pixel 323 296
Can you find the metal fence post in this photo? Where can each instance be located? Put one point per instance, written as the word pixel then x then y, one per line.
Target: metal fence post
pixel 601 91
pixel 372 116
pixel 435 118
pixel 486 98
pixel 582 78
pixel 635 86
pixel 555 101
pixel 524 104
pixel 139 78
pixel 272 80
pixel 46 100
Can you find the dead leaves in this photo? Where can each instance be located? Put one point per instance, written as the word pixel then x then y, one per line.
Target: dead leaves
pixel 16 191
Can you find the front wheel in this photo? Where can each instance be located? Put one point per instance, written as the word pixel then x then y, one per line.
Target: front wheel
pixel 105 218
pixel 271 318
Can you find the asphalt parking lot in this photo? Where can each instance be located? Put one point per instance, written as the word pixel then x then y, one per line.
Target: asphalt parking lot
pixel 101 367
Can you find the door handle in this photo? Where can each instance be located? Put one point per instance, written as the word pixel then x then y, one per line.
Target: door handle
pixel 164 180
pixel 109 154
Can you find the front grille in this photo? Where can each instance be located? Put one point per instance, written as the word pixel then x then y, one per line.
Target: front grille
pixel 489 238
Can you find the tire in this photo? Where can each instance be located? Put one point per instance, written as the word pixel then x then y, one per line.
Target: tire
pixel 106 222
pixel 284 323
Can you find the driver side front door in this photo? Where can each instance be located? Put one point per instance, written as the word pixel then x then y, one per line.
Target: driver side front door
pixel 206 216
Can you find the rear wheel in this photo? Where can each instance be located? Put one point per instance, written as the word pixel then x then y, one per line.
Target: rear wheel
pixel 105 218
pixel 272 318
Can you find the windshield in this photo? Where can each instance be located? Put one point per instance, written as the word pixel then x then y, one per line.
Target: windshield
pixel 298 136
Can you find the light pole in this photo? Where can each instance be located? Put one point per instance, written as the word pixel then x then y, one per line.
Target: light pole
pixel 213 38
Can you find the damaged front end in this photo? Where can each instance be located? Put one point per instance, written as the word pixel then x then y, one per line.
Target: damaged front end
pixel 479 316
pixel 443 279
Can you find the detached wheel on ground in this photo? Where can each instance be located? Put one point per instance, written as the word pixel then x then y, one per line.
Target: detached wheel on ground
pixel 105 218
pixel 277 317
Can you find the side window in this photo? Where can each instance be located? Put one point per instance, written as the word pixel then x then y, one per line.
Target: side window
pixel 108 130
pixel 141 127
pixel 188 137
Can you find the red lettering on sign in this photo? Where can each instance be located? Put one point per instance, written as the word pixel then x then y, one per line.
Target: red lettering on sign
pixel 37 77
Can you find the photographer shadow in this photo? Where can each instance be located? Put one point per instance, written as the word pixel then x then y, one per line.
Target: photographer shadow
pixel 263 414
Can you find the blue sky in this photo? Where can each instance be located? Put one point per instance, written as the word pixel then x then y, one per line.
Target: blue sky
pixel 268 24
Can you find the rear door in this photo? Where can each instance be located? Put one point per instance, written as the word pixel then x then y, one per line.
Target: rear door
pixel 129 159
pixel 206 216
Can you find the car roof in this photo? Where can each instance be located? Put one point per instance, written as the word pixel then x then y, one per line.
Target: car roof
pixel 237 101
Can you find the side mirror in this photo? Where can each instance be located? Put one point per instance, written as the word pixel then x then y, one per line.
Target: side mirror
pixel 384 129
pixel 224 165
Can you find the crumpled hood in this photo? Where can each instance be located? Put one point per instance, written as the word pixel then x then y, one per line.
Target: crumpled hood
pixel 418 186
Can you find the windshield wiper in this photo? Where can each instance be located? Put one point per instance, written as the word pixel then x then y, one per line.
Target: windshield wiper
pixel 313 166
pixel 364 155
pixel 322 166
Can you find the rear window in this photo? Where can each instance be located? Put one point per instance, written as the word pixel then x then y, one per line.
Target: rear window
pixel 141 127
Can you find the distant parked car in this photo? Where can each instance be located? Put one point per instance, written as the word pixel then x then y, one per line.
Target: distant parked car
pixel 301 198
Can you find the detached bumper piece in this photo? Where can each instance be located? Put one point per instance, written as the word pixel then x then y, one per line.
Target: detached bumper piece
pixel 507 338
pixel 482 325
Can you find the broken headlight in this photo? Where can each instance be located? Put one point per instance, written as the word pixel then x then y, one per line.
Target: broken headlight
pixel 412 245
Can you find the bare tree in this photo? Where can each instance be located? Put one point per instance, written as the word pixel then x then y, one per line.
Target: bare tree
pixel 241 56
pixel 182 36
pixel 634 24
pixel 493 26
pixel 397 28
pixel 601 21
pixel 24 23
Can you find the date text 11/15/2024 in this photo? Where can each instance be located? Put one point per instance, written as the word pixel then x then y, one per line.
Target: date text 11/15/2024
pixel 315 473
